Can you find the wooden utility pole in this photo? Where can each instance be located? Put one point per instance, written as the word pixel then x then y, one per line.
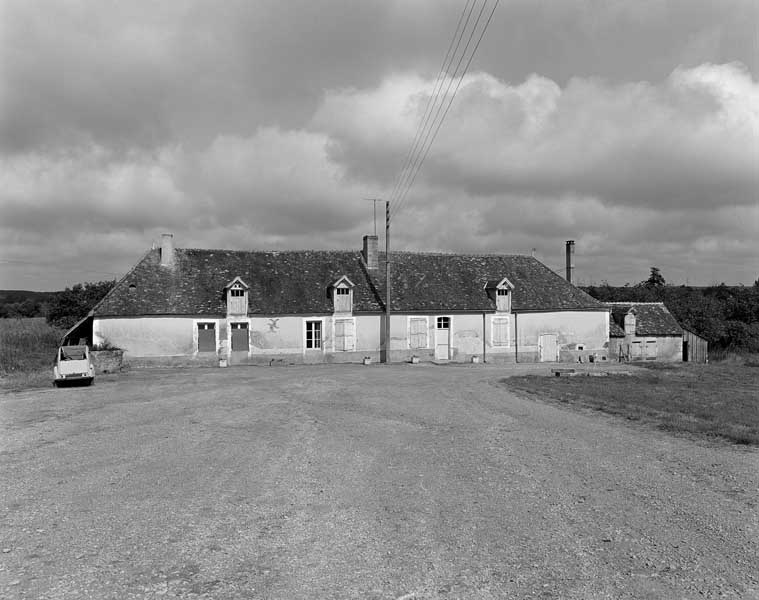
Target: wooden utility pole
pixel 387 281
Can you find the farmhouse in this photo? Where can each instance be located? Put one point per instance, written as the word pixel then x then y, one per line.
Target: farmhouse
pixel 188 306
pixel 644 331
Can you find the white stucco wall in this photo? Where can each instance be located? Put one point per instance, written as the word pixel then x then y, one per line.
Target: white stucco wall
pixel 273 336
pixel 587 328
pixel 148 336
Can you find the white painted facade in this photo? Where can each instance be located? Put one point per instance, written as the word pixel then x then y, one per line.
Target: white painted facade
pixel 347 337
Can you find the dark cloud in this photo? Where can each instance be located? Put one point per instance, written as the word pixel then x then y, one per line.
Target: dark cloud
pixel 631 127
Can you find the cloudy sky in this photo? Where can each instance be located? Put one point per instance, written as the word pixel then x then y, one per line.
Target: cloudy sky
pixel 631 127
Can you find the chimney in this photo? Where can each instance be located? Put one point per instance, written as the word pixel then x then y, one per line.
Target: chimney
pixel 370 252
pixel 167 250
pixel 570 260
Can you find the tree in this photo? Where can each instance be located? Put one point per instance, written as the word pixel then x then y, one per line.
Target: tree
pixel 72 304
pixel 655 279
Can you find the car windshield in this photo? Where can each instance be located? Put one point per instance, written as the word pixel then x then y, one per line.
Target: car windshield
pixel 73 353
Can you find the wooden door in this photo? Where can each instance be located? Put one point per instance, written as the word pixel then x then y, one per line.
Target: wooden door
pixel 548 349
pixel 442 338
pixel 240 337
pixel 206 337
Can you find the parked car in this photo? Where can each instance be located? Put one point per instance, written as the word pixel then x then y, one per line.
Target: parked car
pixel 73 364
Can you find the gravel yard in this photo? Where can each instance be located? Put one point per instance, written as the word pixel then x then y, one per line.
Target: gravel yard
pixel 344 481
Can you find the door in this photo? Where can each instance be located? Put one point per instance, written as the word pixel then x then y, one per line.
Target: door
pixel 206 337
pixel 442 338
pixel 240 337
pixel 548 349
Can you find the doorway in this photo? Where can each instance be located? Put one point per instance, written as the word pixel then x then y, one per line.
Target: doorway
pixel 442 338
pixel 548 349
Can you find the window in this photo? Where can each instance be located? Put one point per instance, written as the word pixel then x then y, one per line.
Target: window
pixel 342 300
pixel 206 337
pixel 313 335
pixel 500 331
pixel 345 335
pixel 237 300
pixel 502 300
pixel 417 332
pixel 240 337
pixel 444 322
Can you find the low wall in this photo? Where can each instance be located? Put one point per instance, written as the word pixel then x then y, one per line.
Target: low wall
pixel 107 361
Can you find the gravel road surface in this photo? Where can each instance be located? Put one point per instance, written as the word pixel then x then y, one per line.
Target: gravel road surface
pixel 379 482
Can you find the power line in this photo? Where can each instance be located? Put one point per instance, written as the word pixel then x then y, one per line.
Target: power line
pixel 437 123
pixel 432 100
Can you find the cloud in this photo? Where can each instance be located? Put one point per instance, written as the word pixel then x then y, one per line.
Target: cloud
pixel 631 127
pixel 691 140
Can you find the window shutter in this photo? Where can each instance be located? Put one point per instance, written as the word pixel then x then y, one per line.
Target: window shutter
pixel 418 332
pixel 345 334
pixel 500 331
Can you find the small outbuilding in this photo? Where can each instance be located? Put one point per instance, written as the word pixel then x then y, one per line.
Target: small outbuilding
pixel 644 331
pixel 695 348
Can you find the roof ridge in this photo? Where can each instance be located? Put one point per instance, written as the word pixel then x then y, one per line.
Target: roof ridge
pixel 260 251
pixel 431 253
pixel 636 303
pixel 358 251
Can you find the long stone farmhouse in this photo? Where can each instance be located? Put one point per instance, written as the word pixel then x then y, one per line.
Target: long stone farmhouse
pixel 187 306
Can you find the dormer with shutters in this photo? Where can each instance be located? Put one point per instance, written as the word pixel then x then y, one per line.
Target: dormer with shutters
pixel 342 295
pixel 630 323
pixel 237 298
pixel 500 292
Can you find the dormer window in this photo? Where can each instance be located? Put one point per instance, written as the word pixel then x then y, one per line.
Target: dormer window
pixel 502 300
pixel 500 292
pixel 342 295
pixel 237 297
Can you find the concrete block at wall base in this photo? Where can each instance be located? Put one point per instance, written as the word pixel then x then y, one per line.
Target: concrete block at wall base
pixel 146 362
pixel 583 355
pixel 108 361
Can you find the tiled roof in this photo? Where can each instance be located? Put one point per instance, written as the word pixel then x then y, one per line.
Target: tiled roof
pixel 297 282
pixel 651 318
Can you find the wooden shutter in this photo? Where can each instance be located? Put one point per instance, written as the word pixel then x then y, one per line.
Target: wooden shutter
pixel 343 300
pixel 345 335
pixel 500 331
pixel 240 337
pixel 206 337
pixel 418 332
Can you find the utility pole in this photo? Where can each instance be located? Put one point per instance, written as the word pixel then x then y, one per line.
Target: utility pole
pixel 387 281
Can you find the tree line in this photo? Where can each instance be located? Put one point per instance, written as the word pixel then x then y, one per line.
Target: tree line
pixel 60 309
pixel 726 316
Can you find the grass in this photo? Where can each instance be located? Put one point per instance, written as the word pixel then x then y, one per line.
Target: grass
pixel 718 400
pixel 27 351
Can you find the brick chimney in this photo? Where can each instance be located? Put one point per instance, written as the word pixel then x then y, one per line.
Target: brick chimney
pixel 570 260
pixel 167 250
pixel 369 253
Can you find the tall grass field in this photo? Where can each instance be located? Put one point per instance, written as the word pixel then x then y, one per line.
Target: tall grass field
pixel 27 352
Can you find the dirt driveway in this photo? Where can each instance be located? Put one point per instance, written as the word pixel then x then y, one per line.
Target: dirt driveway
pixel 359 482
